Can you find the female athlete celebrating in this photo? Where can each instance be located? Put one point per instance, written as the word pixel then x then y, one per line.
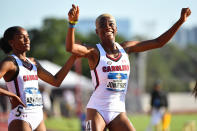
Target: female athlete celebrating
pixel 110 68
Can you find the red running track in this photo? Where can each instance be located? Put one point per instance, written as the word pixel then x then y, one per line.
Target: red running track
pixel 3 126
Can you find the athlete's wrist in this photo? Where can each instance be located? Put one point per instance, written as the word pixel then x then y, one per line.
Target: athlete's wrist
pixel 72 24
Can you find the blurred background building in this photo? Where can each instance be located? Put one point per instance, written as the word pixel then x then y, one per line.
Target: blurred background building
pixel 186 36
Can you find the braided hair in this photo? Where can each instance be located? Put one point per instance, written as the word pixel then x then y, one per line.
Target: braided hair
pixel 8 35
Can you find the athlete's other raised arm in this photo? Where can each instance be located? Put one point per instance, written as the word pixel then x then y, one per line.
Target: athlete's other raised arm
pixel 136 46
pixel 56 79
pixel 71 46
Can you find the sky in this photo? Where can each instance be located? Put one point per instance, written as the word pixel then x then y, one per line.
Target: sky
pixel 148 17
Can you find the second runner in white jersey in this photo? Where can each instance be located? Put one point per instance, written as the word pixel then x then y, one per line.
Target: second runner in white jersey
pixel 25 85
pixel 110 78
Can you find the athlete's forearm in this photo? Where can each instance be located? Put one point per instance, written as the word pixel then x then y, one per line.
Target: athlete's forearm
pixel 61 74
pixel 165 37
pixel 73 15
pixel 5 92
pixel 70 39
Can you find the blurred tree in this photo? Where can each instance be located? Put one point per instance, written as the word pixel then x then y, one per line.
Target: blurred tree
pixel 49 42
pixel 173 65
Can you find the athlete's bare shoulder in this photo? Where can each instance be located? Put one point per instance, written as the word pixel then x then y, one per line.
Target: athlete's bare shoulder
pixel 8 61
pixel 33 60
pixel 93 56
pixel 92 50
pixel 8 67
pixel 129 46
pixel 90 46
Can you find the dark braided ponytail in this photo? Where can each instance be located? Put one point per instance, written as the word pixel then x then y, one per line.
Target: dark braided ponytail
pixel 8 35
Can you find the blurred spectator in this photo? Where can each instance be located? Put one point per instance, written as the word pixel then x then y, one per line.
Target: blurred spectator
pixel 195 90
pixel 160 118
pixel 82 120
pixel 46 101
pixel 69 100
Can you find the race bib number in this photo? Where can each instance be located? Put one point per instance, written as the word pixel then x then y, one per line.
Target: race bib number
pixel 116 82
pixel 33 97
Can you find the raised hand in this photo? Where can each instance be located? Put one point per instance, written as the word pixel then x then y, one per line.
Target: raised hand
pixel 73 14
pixel 185 13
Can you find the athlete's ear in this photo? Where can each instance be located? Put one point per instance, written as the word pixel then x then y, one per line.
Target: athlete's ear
pixel 11 42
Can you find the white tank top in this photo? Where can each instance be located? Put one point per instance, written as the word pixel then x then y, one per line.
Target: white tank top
pixel 25 85
pixel 110 78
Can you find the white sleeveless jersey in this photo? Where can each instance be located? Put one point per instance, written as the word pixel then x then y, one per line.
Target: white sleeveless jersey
pixel 25 85
pixel 110 78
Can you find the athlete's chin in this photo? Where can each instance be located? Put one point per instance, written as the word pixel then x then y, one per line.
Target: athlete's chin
pixel 110 38
pixel 27 49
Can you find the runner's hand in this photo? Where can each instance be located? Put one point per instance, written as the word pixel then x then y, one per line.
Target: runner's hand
pixel 185 13
pixel 73 14
pixel 15 101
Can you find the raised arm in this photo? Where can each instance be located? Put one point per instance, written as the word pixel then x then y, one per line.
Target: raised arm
pixel 136 46
pixel 71 46
pixel 56 79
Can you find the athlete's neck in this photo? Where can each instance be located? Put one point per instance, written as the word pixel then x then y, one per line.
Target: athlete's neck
pixel 21 56
pixel 110 48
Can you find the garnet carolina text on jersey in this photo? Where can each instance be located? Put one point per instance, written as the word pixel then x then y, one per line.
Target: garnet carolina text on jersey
pixel 115 68
pixel 30 77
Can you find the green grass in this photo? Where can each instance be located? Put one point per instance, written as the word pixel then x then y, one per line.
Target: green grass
pixel 178 121
pixel 140 122
pixel 63 124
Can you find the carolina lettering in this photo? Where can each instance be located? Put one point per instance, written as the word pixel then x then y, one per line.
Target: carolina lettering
pixel 30 77
pixel 115 68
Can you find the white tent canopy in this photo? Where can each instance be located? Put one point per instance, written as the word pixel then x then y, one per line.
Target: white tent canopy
pixel 71 81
